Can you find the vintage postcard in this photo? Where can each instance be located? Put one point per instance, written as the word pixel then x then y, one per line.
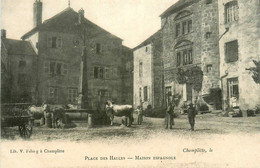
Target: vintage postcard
pixel 130 83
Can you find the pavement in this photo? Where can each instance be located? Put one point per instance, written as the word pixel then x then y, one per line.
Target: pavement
pixel 206 124
pixel 216 142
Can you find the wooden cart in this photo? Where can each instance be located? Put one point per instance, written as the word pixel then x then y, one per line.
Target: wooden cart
pixel 16 114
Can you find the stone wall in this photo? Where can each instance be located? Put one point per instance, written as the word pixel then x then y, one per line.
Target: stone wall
pixel 70 53
pixel 205 50
pixel 246 31
pixel 143 55
pixel 157 70
pixel 23 78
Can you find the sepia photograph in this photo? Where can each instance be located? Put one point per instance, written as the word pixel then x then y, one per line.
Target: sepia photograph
pixel 130 83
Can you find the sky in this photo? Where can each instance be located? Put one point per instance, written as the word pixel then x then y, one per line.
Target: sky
pixel 132 20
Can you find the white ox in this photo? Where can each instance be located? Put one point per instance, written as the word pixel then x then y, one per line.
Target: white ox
pixel 37 111
pixel 56 112
pixel 120 111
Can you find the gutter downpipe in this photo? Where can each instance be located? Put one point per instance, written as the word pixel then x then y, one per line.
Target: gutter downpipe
pixel 226 72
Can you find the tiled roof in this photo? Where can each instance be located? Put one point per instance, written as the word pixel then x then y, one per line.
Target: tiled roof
pixel 67 21
pixel 18 47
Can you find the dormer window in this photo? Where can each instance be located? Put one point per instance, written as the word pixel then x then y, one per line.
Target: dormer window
pixel 183 23
pixel 231 11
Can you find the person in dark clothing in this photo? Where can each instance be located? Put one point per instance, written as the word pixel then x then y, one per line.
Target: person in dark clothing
pixel 169 113
pixel 140 115
pixel 191 115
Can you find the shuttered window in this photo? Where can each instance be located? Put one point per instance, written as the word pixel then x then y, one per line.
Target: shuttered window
pixel 52 67
pixel 231 51
pixel 58 68
pixel 145 93
pixel 65 69
pixel 54 42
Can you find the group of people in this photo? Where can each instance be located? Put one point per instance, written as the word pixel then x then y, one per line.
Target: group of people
pixel 170 113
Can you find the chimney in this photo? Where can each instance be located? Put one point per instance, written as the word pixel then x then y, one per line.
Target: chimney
pixel 3 33
pixel 81 16
pixel 37 13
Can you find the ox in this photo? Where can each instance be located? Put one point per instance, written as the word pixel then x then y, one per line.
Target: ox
pixel 57 114
pixel 37 112
pixel 120 111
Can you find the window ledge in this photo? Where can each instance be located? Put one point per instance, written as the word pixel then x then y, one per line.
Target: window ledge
pixel 231 62
pixel 184 35
pixel 229 24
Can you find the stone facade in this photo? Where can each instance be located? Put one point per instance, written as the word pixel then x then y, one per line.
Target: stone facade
pixel 127 75
pixel 190 39
pixel 148 73
pixel 242 28
pixel 60 42
pixel 18 71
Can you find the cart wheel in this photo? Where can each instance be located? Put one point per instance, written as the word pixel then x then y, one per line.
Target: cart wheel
pixel 25 130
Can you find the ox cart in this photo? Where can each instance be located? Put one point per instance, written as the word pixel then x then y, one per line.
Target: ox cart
pixel 16 114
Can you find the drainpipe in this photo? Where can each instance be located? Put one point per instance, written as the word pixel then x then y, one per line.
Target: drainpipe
pixel 227 29
pixel 221 78
pixel 226 72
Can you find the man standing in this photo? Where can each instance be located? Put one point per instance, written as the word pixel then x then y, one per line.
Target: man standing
pixel 191 114
pixel 140 115
pixel 169 113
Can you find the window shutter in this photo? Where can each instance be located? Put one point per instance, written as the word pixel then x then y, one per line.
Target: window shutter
pixel 49 41
pixel 65 69
pixel 107 73
pixel 59 42
pixel 115 72
pixel 52 67
pixel 46 67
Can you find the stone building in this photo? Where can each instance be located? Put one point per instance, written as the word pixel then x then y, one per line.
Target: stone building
pixel 148 72
pixel 127 75
pixel 63 43
pixel 18 69
pixel 190 40
pixel 239 27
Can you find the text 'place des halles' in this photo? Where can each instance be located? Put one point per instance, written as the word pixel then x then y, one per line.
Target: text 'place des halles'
pixel 68 71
